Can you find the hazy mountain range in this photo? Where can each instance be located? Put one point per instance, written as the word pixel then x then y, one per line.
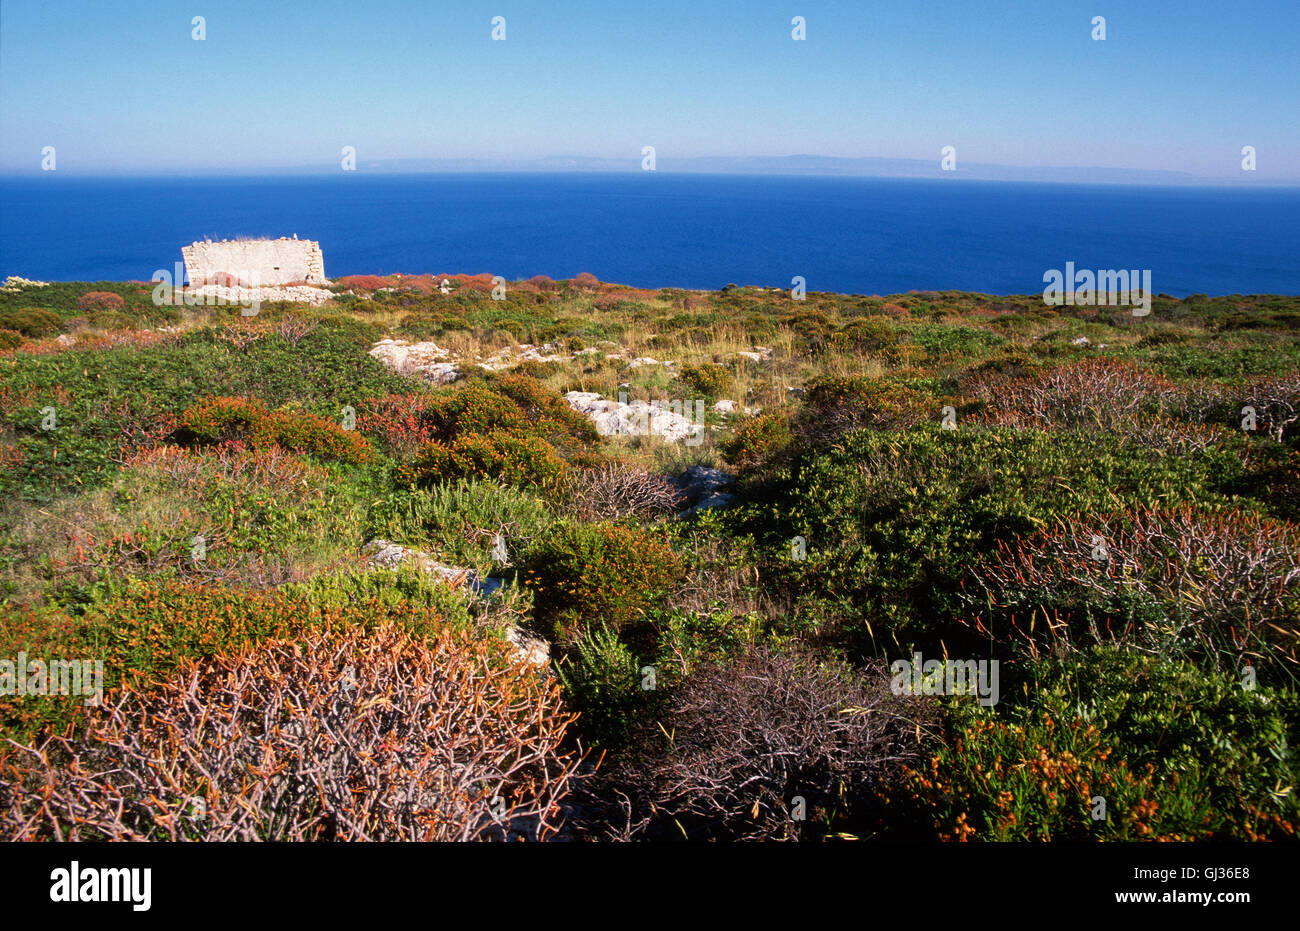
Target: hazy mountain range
pixel 809 165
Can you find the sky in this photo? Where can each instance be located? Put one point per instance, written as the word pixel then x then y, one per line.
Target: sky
pixel 1175 86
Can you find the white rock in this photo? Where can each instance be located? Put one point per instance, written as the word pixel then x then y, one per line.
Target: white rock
pixel 546 354
pixel 640 418
pixel 425 359
pixel 505 358
pixel 530 649
pixel 725 407
pixel 1080 341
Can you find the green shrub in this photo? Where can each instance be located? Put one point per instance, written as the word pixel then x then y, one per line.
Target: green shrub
pixel 497 454
pixel 813 329
pixel 871 335
pixel 759 327
pixel 601 679
pixel 947 341
pixel 459 520
pixel 111 320
pixel 512 428
pixel 1175 752
pixel 382 589
pixel 901 517
pixel 1186 360
pixel 839 404
pixel 535 369
pixel 585 574
pixel 685 638
pixel 709 380
pixel 1012 363
pixel 451 324
pixel 10 339
pixel 32 322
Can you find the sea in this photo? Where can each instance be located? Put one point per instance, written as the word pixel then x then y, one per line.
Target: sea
pixel 653 230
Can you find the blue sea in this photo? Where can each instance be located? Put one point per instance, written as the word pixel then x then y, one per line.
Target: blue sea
pixel 853 235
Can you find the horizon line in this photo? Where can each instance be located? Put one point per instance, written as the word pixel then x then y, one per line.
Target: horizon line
pixel 793 165
pixel 1197 182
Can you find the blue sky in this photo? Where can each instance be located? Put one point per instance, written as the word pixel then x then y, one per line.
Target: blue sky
pixel 121 86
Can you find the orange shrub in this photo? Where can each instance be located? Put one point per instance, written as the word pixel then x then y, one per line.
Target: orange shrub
pixel 512 428
pixel 101 300
pixel 757 440
pixel 347 735
pixel 218 419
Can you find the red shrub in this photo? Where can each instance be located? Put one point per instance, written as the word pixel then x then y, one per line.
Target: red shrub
pixel 400 421
pixel 481 283
pixel 1099 393
pixel 101 300
pixel 341 735
pixel 1219 583
pixel 363 282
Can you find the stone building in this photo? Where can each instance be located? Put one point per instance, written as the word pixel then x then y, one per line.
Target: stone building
pixel 255 261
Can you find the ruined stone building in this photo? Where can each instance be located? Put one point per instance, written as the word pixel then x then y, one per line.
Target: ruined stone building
pixel 255 261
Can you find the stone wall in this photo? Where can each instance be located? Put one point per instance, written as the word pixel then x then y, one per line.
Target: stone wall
pixel 255 261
